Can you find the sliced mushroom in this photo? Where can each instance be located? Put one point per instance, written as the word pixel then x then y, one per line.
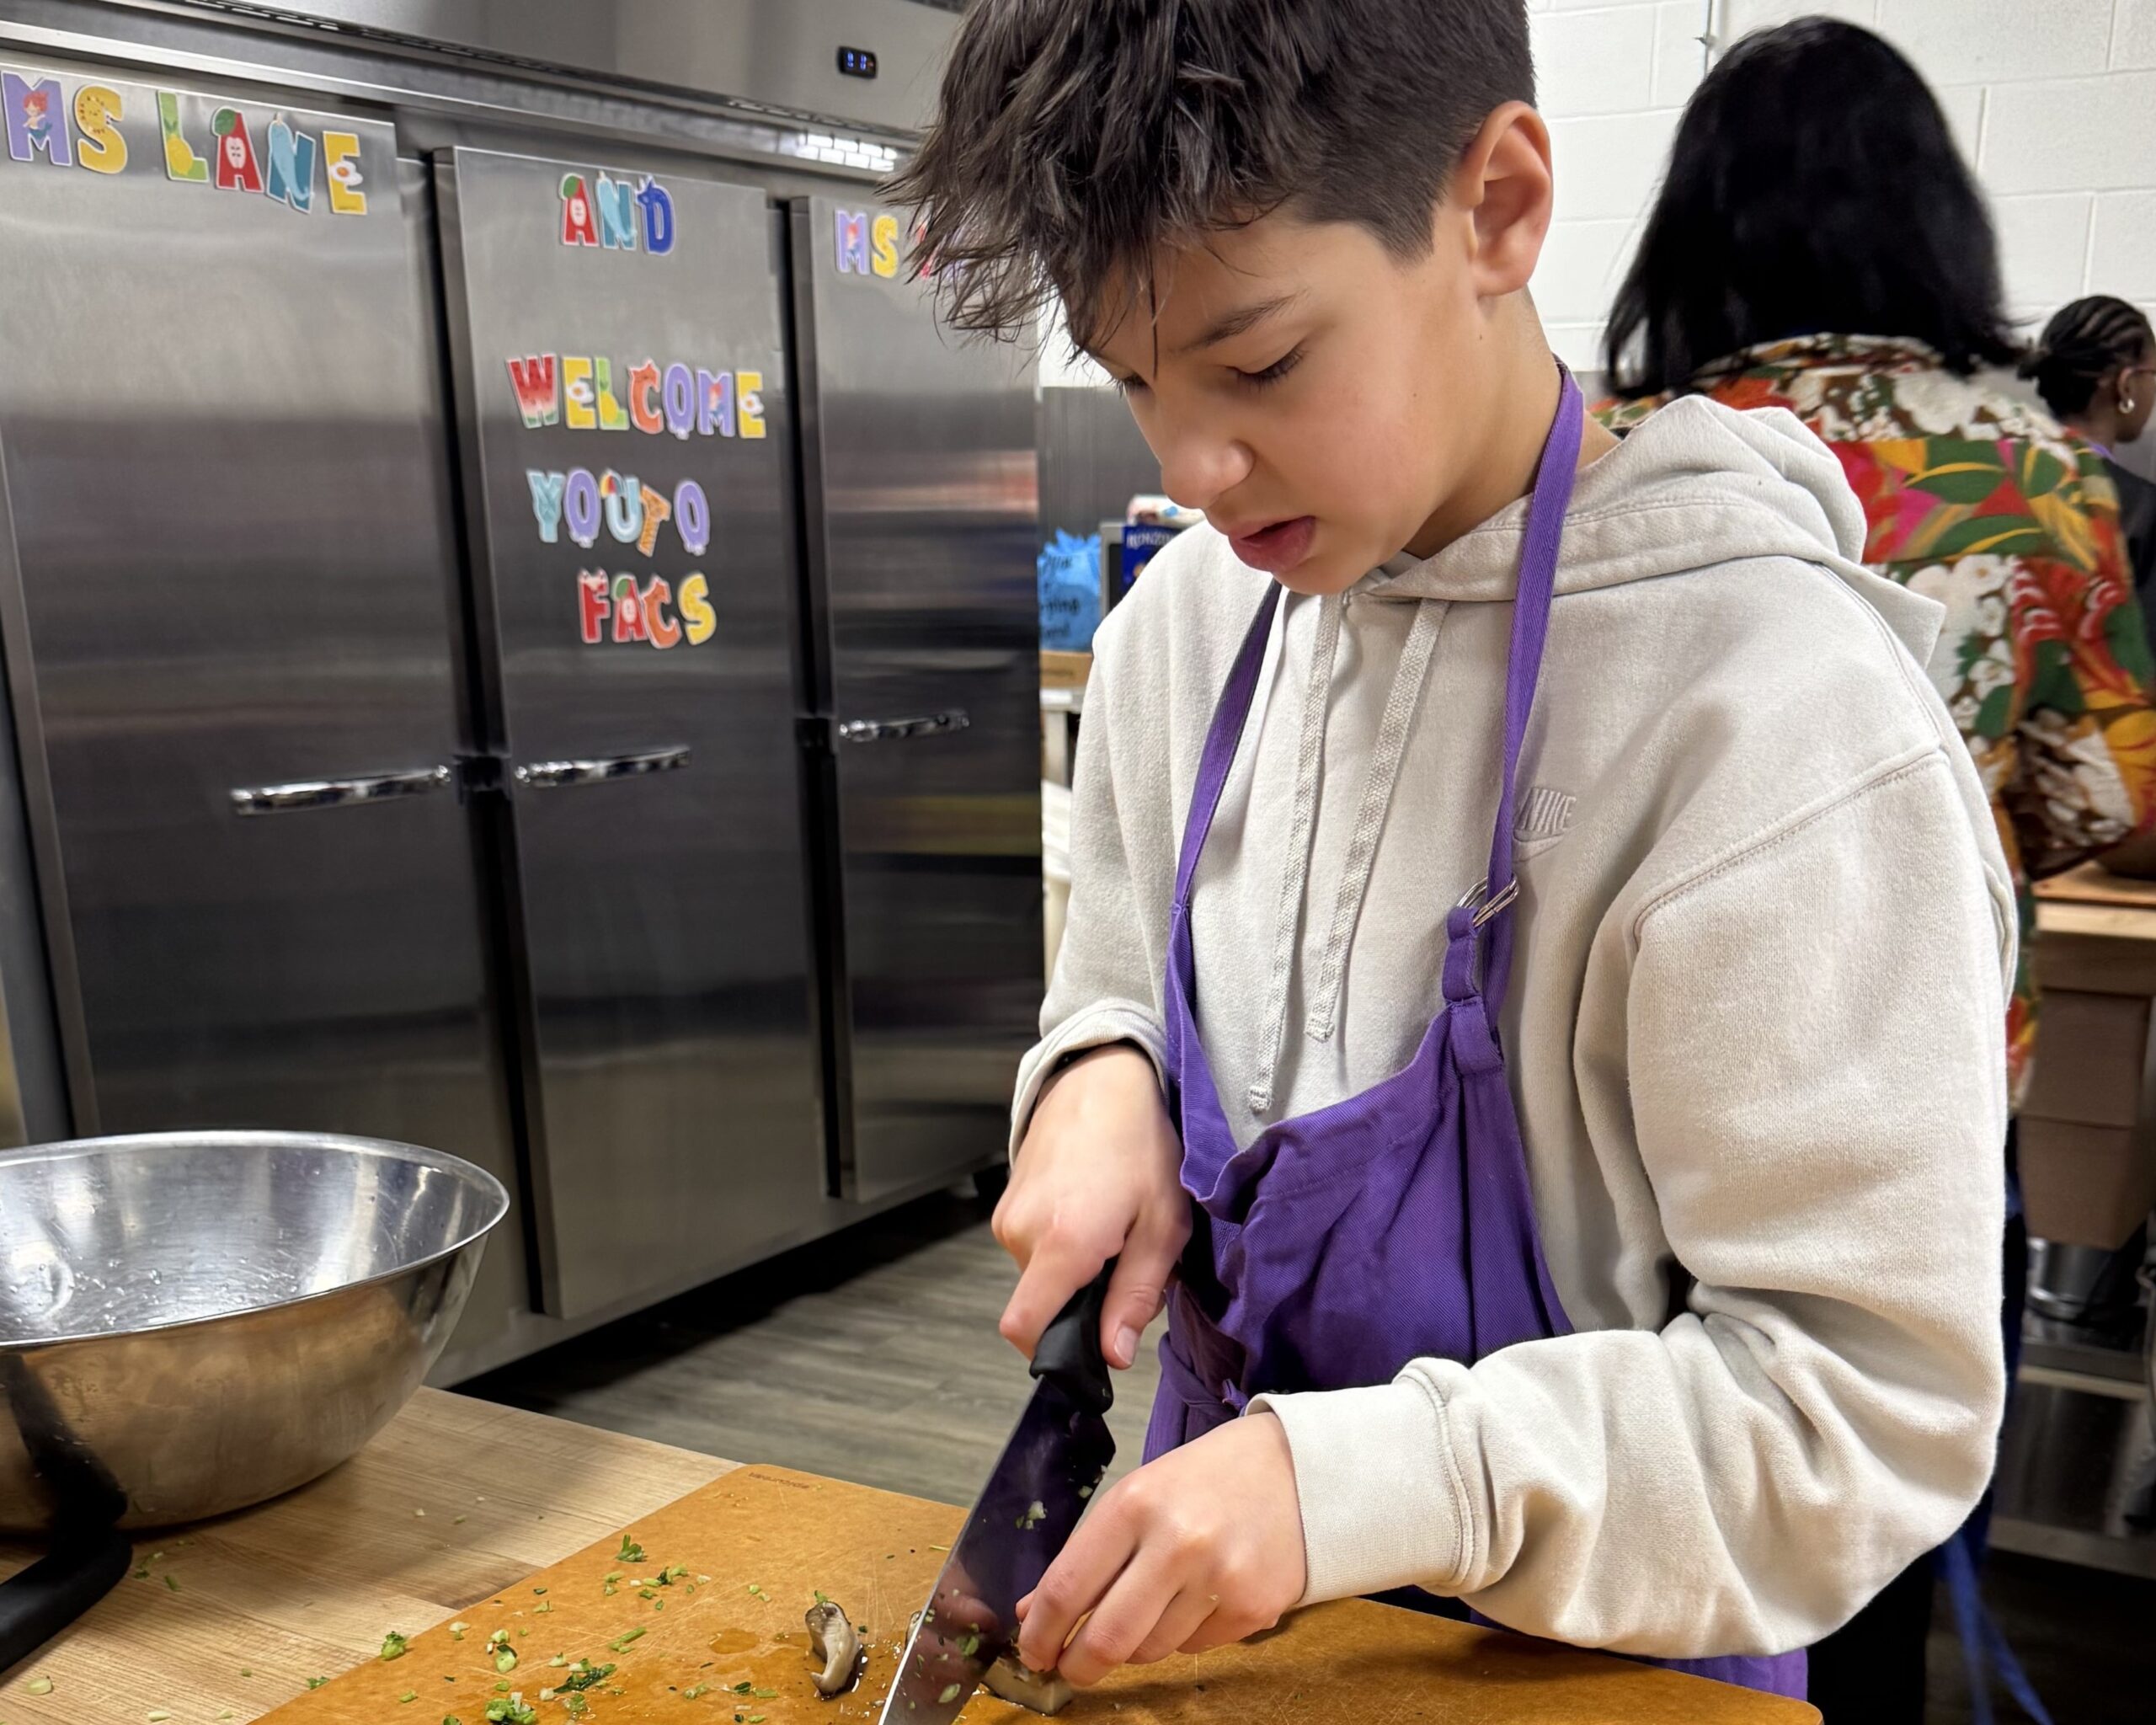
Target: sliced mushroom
pixel 832 1639
pixel 1026 1687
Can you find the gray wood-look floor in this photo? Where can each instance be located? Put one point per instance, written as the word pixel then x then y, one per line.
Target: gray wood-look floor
pixel 873 1358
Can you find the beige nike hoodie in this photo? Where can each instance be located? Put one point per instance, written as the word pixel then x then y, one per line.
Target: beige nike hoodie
pixel 1753 1032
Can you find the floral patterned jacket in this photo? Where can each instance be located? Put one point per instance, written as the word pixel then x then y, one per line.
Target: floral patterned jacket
pixel 2010 522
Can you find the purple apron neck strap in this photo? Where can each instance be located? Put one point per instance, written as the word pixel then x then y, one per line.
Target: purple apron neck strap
pixel 1221 741
pixel 1538 585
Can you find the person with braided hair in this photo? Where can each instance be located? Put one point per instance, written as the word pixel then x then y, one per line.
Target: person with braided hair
pixel 2096 368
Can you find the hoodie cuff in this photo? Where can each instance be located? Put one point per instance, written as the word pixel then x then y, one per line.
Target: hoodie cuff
pixel 1099 1027
pixel 1384 1503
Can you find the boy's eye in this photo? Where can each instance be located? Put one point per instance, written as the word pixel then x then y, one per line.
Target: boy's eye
pixel 1274 372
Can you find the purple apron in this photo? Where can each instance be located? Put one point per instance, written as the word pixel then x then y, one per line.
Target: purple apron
pixel 1397 1224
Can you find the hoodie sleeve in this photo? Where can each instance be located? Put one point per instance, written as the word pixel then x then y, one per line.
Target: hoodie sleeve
pixel 1106 986
pixel 1811 1039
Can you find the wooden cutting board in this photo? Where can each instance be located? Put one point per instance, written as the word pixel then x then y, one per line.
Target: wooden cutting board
pixel 758 1545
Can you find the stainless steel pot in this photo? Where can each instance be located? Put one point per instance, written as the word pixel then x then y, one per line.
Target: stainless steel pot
pixel 194 1321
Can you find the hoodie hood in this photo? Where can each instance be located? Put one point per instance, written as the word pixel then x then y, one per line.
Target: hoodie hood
pixel 1697 483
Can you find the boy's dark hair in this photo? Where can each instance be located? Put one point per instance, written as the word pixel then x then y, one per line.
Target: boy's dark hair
pixel 1073 137
pixel 2087 340
pixel 1814 189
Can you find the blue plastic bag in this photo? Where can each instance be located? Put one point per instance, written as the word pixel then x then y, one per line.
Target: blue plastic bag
pixel 1070 570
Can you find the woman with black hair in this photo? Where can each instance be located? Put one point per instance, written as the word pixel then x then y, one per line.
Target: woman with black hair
pixel 1819 246
pixel 2096 368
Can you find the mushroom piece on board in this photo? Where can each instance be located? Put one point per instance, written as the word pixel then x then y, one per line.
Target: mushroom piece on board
pixel 1026 1687
pixel 832 1639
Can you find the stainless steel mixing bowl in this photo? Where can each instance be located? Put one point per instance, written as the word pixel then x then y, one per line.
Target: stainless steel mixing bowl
pixel 203 1320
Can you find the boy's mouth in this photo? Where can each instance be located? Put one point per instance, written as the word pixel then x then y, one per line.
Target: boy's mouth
pixel 1277 548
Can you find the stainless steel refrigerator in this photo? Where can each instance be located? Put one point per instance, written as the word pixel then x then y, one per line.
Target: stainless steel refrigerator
pixel 519 636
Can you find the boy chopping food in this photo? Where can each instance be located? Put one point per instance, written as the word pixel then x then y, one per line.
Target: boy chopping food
pixel 1532 995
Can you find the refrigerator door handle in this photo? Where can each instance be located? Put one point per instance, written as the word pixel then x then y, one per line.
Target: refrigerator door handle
pixel 550 775
pixel 337 792
pixel 899 731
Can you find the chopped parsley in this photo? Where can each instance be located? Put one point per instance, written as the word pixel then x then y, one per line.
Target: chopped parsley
pixel 582 1675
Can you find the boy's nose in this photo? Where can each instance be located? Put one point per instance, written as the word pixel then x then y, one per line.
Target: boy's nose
pixel 1198 471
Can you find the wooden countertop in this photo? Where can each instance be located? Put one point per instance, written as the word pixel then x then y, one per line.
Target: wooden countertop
pixel 307 1586
pixel 2097 932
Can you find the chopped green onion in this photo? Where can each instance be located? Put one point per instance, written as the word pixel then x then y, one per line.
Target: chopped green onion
pixel 394 1646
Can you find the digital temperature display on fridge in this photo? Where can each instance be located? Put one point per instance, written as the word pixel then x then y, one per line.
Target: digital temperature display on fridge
pixel 856 62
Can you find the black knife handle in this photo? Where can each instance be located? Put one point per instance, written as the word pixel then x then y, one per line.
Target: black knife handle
pixel 1071 1347
pixel 85 1563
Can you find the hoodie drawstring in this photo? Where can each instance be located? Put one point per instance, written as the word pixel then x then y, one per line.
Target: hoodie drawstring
pixel 1310 755
pixel 1378 785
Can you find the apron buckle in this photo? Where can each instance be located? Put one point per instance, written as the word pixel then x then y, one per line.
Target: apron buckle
pixel 1480 891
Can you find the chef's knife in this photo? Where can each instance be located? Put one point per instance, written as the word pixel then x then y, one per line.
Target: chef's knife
pixel 1048 1470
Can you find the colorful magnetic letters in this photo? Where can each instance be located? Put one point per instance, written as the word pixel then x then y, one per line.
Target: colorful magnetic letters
pixel 630 511
pixel 612 216
pixel 641 613
pixel 35 112
pixel 579 390
pixel 868 243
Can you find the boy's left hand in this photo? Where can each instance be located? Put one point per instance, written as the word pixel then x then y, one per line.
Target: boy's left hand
pixel 1198 1549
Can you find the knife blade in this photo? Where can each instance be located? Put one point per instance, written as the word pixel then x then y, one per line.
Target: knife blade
pixel 1035 1495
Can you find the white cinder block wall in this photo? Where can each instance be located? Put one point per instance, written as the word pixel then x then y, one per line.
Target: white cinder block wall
pixel 2054 101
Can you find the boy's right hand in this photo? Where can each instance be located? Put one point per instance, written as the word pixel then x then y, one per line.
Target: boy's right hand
pixel 1097 1175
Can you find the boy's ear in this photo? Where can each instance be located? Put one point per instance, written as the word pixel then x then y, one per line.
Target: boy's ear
pixel 1504 187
